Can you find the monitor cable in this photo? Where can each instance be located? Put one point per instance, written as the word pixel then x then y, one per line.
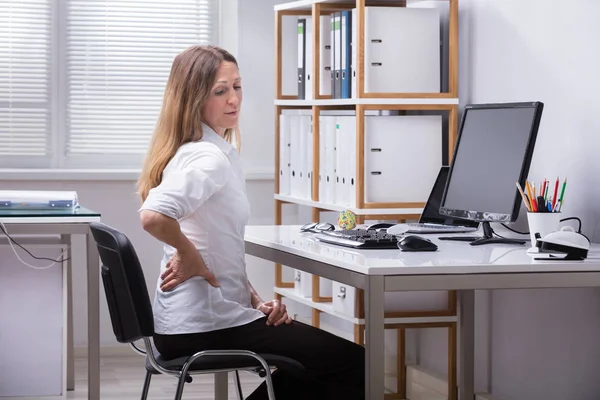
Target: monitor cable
pixel 562 220
pixel 11 241
pixel 512 230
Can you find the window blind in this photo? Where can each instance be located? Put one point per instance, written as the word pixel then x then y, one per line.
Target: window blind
pixel 25 82
pixel 118 56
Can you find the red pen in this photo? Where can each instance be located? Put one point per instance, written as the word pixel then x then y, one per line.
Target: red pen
pixel 544 188
pixel 555 193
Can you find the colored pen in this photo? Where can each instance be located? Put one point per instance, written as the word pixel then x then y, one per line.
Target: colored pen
pixel 544 187
pixel 555 194
pixel 531 199
pixel 524 197
pixel 541 205
pixel 562 191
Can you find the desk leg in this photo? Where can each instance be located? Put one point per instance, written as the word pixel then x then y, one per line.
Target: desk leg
pixel 93 287
pixel 466 367
pixel 221 386
pixel 374 338
pixel 66 239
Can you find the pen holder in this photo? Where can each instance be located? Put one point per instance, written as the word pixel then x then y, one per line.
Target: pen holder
pixel 543 223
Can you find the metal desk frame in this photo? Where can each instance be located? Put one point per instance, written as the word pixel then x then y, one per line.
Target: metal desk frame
pixel 52 225
pixel 375 287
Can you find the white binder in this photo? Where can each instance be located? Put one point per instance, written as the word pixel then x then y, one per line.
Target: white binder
pixel 403 155
pixel 402 50
pixel 309 159
pixel 303 156
pixel 345 125
pixel 346 150
pixel 295 156
pixel 325 60
pixel 308 67
pixel 339 192
pixel 330 160
pixel 337 55
pixel 284 154
pixel 322 177
pixel 349 133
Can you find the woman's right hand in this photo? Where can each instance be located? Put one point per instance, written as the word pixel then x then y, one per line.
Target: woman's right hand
pixel 184 264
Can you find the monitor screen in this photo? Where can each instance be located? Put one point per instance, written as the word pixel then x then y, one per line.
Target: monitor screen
pixel 493 151
pixel 431 212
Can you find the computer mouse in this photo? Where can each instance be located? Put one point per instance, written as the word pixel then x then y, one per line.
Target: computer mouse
pixel 416 243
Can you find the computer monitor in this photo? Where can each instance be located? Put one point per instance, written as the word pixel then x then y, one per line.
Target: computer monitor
pixel 493 151
pixel 431 211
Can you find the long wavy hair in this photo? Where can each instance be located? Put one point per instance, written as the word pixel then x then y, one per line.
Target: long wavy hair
pixel 180 121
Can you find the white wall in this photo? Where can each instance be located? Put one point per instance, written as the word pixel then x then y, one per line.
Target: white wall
pixel 116 199
pixel 544 342
pixel 257 67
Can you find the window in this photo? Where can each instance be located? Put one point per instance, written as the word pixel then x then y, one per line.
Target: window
pixel 81 81
pixel 25 83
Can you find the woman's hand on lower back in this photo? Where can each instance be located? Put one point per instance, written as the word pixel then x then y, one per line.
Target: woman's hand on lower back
pixel 184 264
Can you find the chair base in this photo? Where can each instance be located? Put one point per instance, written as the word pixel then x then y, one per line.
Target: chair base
pixel 146 385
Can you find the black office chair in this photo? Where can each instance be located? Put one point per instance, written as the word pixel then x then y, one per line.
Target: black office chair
pixel 131 317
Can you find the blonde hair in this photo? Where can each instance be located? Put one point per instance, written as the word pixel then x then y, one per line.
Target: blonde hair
pixel 180 121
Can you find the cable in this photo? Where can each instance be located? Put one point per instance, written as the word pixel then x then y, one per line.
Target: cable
pixel 579 230
pixel 11 241
pixel 562 220
pixel 513 230
pixel 570 218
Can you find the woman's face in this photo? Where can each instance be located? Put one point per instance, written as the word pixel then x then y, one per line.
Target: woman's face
pixel 222 109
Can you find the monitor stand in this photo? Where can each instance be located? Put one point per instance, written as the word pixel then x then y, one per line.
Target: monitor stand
pixel 488 237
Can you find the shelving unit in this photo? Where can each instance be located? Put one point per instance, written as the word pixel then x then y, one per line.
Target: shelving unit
pixel 295 103
pixel 443 102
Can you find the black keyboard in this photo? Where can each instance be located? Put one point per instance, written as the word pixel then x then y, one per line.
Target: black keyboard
pixel 359 239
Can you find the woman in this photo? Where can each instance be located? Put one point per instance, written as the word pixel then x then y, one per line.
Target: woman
pixel 194 201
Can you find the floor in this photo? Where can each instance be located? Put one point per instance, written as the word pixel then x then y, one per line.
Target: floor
pixel 123 377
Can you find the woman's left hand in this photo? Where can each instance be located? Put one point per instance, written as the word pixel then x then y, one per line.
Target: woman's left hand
pixel 276 311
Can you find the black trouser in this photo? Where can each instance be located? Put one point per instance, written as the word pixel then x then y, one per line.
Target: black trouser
pixel 335 367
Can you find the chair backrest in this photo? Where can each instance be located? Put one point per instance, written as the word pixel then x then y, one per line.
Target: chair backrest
pixel 124 285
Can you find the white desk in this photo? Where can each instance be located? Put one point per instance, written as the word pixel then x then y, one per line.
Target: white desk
pixel 67 223
pixel 455 266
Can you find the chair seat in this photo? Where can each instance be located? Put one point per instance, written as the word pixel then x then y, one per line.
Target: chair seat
pixel 208 363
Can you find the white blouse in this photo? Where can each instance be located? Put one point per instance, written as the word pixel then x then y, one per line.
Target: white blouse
pixel 203 188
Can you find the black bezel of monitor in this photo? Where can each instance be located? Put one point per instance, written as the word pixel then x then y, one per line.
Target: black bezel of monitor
pixel 439 219
pixel 485 216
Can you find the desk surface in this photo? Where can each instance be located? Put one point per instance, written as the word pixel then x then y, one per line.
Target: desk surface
pixel 37 216
pixel 451 257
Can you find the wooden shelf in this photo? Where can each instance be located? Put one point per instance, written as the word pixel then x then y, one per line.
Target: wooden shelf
pixel 367 101
pixel 357 211
pixel 306 5
pixel 327 308
pixel 297 5
pixel 445 101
